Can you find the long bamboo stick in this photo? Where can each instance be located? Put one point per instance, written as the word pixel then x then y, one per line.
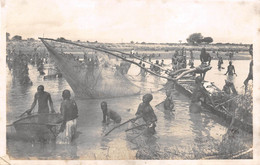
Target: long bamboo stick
pixel 122 124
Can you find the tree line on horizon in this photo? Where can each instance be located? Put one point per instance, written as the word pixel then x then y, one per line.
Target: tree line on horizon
pixel 197 38
pixel 193 39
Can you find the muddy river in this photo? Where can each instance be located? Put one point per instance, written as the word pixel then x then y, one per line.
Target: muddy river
pixel 181 130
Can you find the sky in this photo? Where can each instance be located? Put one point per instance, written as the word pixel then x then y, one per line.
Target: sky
pixel 160 21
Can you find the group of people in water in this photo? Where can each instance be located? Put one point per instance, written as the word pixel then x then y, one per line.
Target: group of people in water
pixel 69 109
pixel 18 63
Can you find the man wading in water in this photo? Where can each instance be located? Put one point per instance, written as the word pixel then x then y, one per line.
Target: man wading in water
pixel 250 74
pixel 69 111
pixel 198 93
pixel 146 111
pixel 43 98
pixel 109 114
pixel 231 69
pixel 168 103
pixel 205 57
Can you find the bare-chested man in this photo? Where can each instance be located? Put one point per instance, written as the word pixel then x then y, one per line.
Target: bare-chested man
pixel 231 69
pixel 42 98
pixel 146 111
pixel 250 74
pixel 204 56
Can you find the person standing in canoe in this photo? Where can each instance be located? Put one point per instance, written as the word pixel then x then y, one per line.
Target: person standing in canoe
pixel 109 114
pixel 69 111
pixel 198 93
pixel 146 111
pixel 42 98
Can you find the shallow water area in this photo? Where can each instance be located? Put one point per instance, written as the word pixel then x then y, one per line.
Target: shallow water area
pixel 181 130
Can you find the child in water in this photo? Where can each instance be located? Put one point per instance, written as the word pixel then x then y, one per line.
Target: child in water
pixel 109 114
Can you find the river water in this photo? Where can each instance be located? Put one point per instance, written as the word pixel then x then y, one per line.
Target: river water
pixel 180 130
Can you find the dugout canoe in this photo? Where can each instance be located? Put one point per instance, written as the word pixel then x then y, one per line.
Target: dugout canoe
pixel 38 126
pixel 186 87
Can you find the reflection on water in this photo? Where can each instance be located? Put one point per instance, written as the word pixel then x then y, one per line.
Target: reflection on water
pixel 179 128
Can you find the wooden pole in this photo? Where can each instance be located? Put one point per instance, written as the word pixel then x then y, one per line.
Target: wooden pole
pixel 122 124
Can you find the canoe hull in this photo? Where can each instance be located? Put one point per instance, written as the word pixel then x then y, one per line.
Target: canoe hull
pixel 38 127
pixel 186 89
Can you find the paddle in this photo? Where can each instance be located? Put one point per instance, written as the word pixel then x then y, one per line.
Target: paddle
pixel 23 113
pixel 135 127
pixel 146 124
pixel 226 101
pixel 122 124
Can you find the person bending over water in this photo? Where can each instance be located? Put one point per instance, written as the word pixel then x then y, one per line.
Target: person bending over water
pixel 109 114
pixel 146 111
pixel 42 98
pixel 198 93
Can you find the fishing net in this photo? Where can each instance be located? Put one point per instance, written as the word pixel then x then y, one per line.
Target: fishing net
pixel 92 73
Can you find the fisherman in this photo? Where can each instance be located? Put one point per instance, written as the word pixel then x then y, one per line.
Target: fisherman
pixel 42 98
pixel 176 54
pixel 69 111
pixel 204 56
pixel 156 67
pixel 174 62
pixel 228 87
pixel 220 61
pixel 250 74
pixel 192 65
pixel 198 93
pixel 168 102
pixel 191 56
pixel 109 114
pixel 150 58
pixel 146 111
pixel 231 69
pixel 230 55
pixel 143 71
pixel 183 51
pixel 41 66
pixel 162 62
